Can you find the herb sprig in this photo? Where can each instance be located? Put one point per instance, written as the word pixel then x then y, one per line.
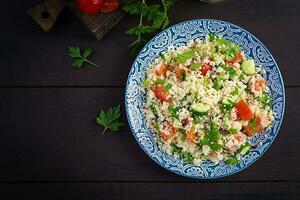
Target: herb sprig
pixel 80 58
pixel 155 15
pixel 110 119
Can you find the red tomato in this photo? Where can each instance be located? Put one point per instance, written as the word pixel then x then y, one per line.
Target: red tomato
pixel 110 5
pixel 260 84
pixel 90 7
pixel 178 72
pixel 243 110
pixel 168 131
pixel 161 93
pixel 205 68
pixel 191 136
pixel 250 130
pixel 238 58
pixel 163 136
pixel 162 70
pixel 238 137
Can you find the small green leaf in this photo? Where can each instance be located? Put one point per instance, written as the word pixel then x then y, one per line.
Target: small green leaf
pixel 146 83
pixel 87 52
pixel 195 66
pixel 166 23
pixel 78 59
pixel 78 63
pixel 168 86
pixel 160 81
pixel 110 119
pixel 231 161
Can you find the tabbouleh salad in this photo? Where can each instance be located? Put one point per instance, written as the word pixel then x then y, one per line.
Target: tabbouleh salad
pixel 204 100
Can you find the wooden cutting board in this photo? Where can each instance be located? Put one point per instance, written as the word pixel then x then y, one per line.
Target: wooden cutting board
pixel 46 12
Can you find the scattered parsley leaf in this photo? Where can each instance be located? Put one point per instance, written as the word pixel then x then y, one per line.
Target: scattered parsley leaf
pixel 233 131
pixel 231 161
pixel 110 119
pixel 153 110
pixel 173 111
pixel 160 81
pixel 195 66
pixel 231 72
pixel 78 58
pixel 168 86
pixel 156 16
pixel 146 83
pixel 181 58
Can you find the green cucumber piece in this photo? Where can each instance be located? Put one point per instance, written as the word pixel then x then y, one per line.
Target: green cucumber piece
pixel 248 67
pixel 244 149
pixel 232 161
pixel 177 123
pixel 200 108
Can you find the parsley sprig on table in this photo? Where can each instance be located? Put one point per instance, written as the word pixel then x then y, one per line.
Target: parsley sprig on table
pixel 110 119
pixel 80 58
pixel 156 16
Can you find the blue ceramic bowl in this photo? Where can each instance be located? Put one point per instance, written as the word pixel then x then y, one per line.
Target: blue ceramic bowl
pixel 178 35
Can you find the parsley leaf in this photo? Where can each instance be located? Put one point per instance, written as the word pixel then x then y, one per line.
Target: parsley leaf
pixel 231 161
pixel 195 66
pixel 80 58
pixel 156 16
pixel 185 55
pixel 110 119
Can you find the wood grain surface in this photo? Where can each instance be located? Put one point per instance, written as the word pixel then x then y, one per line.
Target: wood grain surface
pixel 51 147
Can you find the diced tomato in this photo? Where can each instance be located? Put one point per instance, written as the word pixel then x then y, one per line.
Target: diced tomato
pixel 178 72
pixel 205 68
pixel 163 136
pixel 161 93
pixel 162 70
pixel 260 84
pixel 110 6
pixel 243 110
pixel 191 136
pixel 238 58
pixel 258 125
pixel 185 122
pixel 250 130
pixel 168 131
pixel 238 137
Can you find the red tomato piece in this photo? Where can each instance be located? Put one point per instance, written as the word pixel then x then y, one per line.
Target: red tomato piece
pixel 162 70
pixel 260 84
pixel 110 6
pixel 205 68
pixel 161 93
pixel 238 58
pixel 243 110
pixel 191 136
pixel 238 137
pixel 163 136
pixel 178 72
pixel 250 130
pixel 90 7
pixel 168 131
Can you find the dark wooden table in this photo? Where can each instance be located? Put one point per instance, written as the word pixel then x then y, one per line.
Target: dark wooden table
pixel 51 147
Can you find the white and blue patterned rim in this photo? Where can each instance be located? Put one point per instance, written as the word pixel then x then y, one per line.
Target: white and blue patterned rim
pixel 206 170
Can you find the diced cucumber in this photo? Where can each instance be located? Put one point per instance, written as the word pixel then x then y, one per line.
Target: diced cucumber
pixel 244 149
pixel 228 103
pixel 167 58
pixel 177 123
pixel 200 108
pixel 231 161
pixel 248 67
